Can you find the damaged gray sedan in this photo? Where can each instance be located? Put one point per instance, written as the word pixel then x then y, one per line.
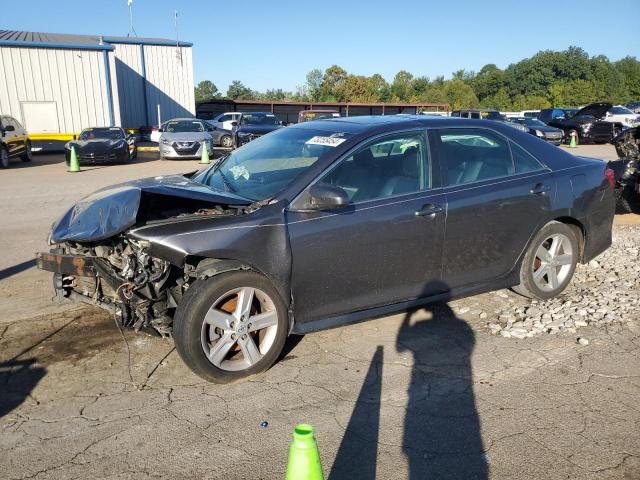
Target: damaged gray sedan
pixel 328 223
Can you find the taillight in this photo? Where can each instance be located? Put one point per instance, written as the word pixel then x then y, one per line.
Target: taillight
pixel 611 177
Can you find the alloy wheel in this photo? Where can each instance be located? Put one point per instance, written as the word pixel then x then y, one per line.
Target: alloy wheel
pixel 552 262
pixel 239 329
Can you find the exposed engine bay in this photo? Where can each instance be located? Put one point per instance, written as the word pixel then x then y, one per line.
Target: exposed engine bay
pixel 95 261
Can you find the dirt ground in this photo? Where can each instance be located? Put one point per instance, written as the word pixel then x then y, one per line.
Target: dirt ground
pixel 424 394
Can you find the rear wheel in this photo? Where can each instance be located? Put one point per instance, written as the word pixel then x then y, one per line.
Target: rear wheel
pixel 27 156
pixel 4 157
pixel 549 262
pixel 230 326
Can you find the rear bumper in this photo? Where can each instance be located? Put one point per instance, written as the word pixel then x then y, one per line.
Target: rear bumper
pixel 598 226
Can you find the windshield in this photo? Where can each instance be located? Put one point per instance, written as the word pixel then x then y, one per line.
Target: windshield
pixel 620 111
pixel 308 116
pixel 179 126
pixel 532 122
pixel 259 119
pixel 492 116
pixel 102 134
pixel 269 164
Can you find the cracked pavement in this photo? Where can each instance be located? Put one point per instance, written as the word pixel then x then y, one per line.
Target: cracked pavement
pixel 424 394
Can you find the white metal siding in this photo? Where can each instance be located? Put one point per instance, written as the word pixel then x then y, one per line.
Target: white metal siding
pixel 130 85
pixel 74 79
pixel 169 82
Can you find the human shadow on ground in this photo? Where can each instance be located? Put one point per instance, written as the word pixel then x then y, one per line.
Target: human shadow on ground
pixel 442 438
pixel 18 378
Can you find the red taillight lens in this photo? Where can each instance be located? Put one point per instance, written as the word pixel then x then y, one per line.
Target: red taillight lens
pixel 611 177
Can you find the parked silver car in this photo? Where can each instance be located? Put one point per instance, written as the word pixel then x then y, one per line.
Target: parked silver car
pixel 185 138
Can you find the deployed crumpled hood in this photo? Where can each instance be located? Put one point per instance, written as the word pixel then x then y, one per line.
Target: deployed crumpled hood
pixel 597 110
pixel 113 209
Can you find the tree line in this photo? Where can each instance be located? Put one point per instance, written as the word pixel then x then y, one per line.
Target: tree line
pixel 549 78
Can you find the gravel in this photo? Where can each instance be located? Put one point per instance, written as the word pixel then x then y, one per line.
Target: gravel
pixel 601 293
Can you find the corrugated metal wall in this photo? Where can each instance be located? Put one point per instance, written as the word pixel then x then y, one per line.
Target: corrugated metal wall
pixel 130 85
pixel 73 79
pixel 169 82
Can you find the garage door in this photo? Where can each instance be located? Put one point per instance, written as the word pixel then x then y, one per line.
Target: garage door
pixel 40 117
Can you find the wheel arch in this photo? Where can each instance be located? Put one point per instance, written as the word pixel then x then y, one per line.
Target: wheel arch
pixel 579 230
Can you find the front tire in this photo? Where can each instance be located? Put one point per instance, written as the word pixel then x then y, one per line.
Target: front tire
pixel 549 262
pixel 230 326
pixel 4 157
pixel 226 141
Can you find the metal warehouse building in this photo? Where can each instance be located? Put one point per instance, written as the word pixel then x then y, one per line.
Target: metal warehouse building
pixel 58 84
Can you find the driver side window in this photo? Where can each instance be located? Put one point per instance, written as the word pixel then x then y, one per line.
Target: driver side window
pixel 387 167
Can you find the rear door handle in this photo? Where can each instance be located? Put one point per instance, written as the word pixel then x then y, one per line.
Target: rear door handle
pixel 540 189
pixel 429 210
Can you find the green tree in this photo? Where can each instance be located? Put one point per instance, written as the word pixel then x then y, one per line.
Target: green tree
pixel 238 91
pixel 401 86
pixel 314 85
pixel 572 93
pixel 378 88
pixel 499 101
pixel 206 90
pixel 629 68
pixel 460 95
pixel 488 81
pixel 332 81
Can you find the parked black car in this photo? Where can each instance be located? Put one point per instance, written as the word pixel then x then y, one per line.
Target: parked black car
pixel 487 114
pixel 327 223
pixel 102 145
pixel 541 130
pixel 14 141
pixel 252 125
pixel 634 107
pixel 588 123
pixel 627 170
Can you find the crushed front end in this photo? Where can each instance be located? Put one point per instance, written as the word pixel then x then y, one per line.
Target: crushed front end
pixel 119 276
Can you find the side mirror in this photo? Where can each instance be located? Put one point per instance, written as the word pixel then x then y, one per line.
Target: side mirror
pixel 234 124
pixel 323 196
pixel 9 128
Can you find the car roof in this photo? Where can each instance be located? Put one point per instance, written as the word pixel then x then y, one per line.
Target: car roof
pixel 184 120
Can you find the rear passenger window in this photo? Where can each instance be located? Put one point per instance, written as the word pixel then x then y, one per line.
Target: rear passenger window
pixel 471 155
pixel 524 162
pixel 392 166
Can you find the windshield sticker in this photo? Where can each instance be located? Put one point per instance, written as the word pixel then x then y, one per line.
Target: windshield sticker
pixel 239 171
pixel 326 141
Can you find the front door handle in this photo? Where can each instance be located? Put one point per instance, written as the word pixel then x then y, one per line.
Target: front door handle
pixel 540 189
pixel 429 210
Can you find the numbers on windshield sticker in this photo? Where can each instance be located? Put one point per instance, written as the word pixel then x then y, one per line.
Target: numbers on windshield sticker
pixel 326 141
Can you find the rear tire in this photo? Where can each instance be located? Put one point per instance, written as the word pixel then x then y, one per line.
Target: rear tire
pixel 222 342
pixel 27 156
pixel 549 262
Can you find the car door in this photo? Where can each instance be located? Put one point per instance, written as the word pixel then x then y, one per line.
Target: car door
pixel 385 246
pixel 20 138
pixel 497 195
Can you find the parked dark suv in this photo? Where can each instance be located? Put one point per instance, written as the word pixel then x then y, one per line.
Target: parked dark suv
pixel 14 141
pixel 252 125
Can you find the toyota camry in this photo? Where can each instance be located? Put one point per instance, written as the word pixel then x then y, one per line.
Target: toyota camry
pixel 327 223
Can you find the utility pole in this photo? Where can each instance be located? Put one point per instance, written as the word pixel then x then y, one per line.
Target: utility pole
pixel 132 31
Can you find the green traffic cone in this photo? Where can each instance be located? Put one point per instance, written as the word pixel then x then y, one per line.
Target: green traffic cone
pixel 74 165
pixel 573 143
pixel 304 457
pixel 205 155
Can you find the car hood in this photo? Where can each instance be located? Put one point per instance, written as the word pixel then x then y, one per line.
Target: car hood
pixel 596 110
pixel 185 136
pixel 258 129
pixel 96 145
pixel 114 209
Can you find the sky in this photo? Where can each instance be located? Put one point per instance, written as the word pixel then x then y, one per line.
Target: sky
pixel 274 43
